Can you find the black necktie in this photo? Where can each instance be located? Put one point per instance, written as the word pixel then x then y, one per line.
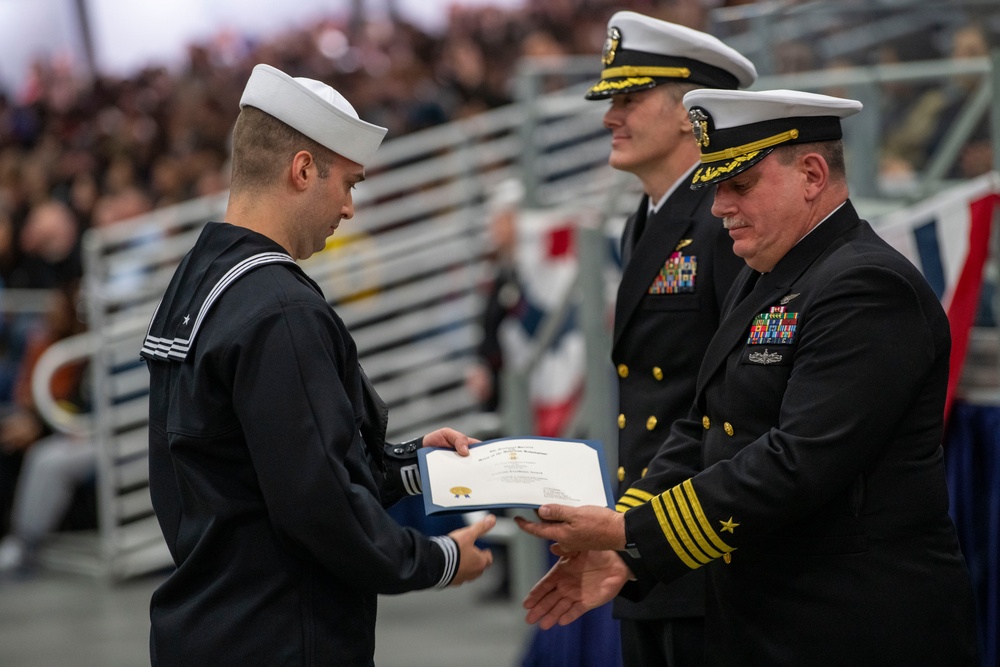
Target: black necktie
pixel 745 289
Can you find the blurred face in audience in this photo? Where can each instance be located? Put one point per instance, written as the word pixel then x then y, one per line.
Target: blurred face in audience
pixel 50 232
pixel 647 126
pixel 969 42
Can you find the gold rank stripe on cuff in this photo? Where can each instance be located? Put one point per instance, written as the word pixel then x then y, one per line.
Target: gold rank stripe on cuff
pixel 702 519
pixel 686 527
pixel 632 498
pixel 737 151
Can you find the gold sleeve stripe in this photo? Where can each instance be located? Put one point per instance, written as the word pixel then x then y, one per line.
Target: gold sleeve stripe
pixel 755 146
pixel 630 501
pixel 691 524
pixel 682 532
pixel 621 509
pixel 703 521
pixel 668 532
pixel 639 493
pixel 631 70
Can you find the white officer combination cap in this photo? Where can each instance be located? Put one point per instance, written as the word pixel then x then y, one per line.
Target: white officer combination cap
pixel 314 109
pixel 736 129
pixel 641 52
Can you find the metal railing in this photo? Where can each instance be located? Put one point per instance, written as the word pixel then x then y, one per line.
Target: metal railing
pixel 405 273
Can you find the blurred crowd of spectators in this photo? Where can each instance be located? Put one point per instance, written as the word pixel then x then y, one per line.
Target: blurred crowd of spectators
pixel 76 151
pixel 80 151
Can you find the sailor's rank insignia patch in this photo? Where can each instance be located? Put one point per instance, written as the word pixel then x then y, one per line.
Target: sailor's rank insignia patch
pixel 677 275
pixel 775 327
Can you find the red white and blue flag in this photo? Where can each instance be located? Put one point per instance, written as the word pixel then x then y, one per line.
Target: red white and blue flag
pixel 546 265
pixel 948 238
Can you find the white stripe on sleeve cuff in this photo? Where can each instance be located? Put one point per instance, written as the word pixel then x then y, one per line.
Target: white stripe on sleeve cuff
pixel 450 549
pixel 411 479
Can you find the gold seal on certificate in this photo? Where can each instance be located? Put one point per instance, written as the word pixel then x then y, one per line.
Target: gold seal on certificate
pixel 515 472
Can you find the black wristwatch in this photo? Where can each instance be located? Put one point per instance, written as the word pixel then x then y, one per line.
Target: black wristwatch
pixel 630 547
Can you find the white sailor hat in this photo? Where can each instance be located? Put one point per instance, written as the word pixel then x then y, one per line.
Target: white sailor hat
pixel 314 109
pixel 736 129
pixel 641 52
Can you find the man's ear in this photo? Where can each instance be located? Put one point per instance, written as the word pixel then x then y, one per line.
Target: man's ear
pixel 685 118
pixel 816 174
pixel 302 170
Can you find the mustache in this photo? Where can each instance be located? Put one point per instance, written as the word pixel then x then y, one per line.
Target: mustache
pixel 730 223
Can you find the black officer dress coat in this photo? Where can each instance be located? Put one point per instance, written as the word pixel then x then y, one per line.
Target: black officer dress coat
pixel 660 336
pixel 267 472
pixel 822 511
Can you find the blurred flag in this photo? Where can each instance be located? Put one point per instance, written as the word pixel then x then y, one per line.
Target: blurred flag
pixel 546 268
pixel 948 238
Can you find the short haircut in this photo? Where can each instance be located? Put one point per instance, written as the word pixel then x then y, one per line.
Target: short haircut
pixel 263 146
pixel 678 89
pixel 832 152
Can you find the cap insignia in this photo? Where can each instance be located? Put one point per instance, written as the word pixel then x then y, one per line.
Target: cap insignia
pixel 699 123
pixel 611 43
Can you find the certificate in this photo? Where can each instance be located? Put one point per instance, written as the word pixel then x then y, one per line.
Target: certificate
pixel 514 472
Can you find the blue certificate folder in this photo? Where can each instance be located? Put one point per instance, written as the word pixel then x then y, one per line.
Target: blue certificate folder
pixel 519 472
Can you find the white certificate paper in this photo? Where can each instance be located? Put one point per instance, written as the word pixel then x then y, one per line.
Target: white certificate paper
pixel 514 472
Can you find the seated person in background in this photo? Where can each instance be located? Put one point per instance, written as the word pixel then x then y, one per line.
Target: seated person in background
pixel 22 428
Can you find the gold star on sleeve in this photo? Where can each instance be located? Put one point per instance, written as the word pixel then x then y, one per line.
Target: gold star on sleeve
pixel 728 525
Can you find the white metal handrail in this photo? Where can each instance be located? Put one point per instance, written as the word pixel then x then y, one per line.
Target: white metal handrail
pixel 66 352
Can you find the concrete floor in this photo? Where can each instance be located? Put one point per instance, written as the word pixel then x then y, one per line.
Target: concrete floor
pixel 57 620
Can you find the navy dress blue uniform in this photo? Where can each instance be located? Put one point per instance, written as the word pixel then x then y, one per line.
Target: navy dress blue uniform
pixel 820 515
pixel 660 335
pixel 256 392
pixel 822 512
pixel 678 265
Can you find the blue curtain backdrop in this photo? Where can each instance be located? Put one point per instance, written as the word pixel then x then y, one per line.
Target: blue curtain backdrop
pixel 972 453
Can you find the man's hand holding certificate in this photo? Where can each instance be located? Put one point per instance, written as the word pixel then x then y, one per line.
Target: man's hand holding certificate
pixel 515 472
